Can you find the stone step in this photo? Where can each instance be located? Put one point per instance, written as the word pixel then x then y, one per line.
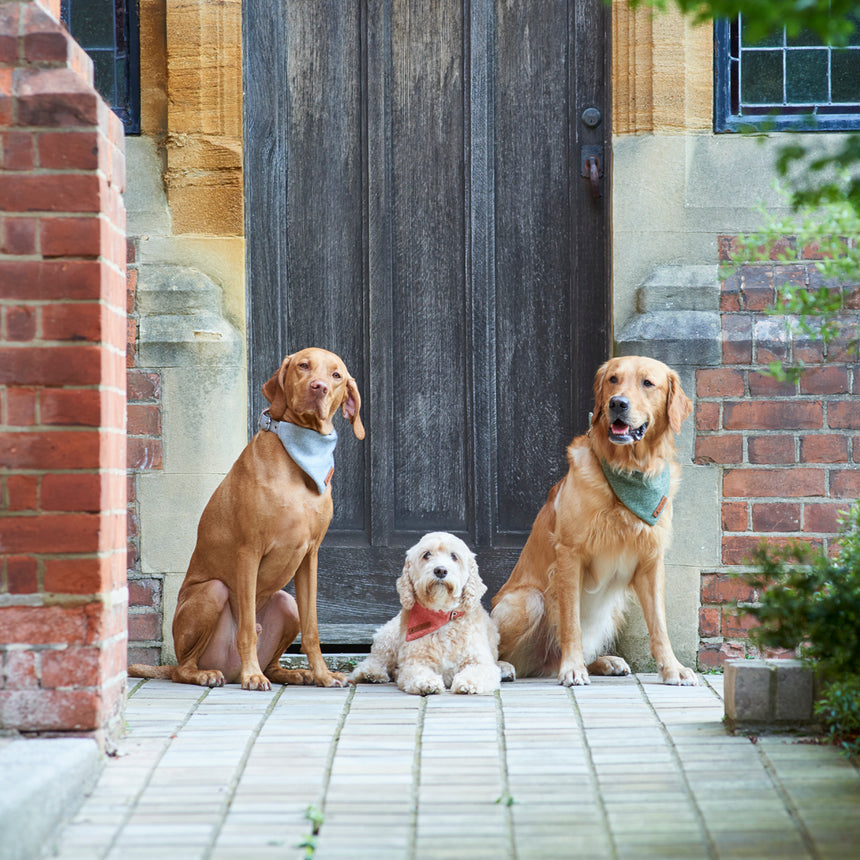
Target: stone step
pixel 677 288
pixel 176 290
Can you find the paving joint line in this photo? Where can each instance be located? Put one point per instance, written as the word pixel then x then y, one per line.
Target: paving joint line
pixel 785 797
pixel 332 751
pixel 592 773
pixel 412 846
pixel 713 854
pixel 227 802
pixel 506 799
pixel 132 807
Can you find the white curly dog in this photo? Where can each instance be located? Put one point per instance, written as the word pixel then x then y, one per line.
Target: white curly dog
pixel 443 637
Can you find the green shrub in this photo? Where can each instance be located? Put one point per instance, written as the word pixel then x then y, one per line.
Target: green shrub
pixel 810 602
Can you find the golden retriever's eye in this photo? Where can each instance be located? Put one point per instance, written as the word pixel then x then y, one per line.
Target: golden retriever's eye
pixel 336 375
pixel 614 380
pixel 647 383
pixel 427 555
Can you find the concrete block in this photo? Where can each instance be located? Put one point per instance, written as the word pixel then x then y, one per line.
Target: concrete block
pixel 769 692
pixel 795 691
pixel 747 691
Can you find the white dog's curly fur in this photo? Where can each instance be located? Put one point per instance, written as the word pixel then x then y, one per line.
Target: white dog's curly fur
pixel 440 574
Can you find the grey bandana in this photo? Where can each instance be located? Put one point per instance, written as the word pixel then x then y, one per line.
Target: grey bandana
pixel 312 452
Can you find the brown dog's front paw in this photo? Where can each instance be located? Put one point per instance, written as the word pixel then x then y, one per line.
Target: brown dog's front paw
pixel 256 681
pixel 333 679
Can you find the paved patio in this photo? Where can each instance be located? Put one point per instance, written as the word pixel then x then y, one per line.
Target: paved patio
pixel 623 768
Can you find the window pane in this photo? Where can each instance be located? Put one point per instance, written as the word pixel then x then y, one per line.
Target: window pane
pixel 806 77
pixel 92 23
pixel 846 76
pixel 772 40
pixel 761 77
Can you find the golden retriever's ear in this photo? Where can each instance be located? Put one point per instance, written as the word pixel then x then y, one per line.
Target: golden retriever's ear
pixel 599 377
pixel 678 405
pixel 351 406
pixel 273 391
pixel 405 589
pixel 474 589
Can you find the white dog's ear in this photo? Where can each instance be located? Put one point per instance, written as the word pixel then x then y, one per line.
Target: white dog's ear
pixel 475 588
pixel 405 589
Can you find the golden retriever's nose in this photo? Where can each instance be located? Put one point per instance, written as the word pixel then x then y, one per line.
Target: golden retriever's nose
pixel 619 404
pixel 440 572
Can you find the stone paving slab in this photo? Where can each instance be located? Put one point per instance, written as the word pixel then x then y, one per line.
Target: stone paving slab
pixel 622 768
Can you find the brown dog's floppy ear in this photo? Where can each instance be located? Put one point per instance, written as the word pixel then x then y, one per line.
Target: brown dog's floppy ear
pixel 405 590
pixel 678 405
pixel 273 391
pixel 351 406
pixel 475 588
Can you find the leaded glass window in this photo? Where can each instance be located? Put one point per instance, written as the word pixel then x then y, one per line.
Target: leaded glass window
pixel 108 31
pixel 782 82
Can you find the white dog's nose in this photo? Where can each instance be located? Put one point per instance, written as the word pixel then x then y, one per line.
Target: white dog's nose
pixel 440 572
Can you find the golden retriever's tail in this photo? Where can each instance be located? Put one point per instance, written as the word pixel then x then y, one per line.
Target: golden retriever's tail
pixel 142 670
pixel 520 617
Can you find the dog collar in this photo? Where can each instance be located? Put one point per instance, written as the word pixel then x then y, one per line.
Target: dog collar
pixel 422 621
pixel 640 494
pixel 312 452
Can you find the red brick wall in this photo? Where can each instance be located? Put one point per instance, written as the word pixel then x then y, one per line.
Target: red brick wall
pixel 145 610
pixel 62 385
pixel 789 452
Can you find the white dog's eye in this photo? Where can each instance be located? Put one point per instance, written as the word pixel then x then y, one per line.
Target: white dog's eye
pixel 427 555
pixel 454 556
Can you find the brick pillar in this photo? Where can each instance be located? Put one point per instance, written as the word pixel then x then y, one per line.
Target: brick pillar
pixel 63 594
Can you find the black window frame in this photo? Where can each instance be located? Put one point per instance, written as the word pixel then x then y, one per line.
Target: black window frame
pixel 126 49
pixel 728 118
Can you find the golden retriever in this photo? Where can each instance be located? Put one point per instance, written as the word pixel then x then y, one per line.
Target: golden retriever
pixel 442 637
pixel 565 598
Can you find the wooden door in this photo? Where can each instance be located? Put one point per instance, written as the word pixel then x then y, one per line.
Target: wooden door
pixel 415 202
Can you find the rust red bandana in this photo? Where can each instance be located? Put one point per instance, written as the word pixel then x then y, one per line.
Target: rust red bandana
pixel 421 621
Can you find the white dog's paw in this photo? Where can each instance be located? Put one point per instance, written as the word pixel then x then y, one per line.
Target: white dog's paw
pixel 679 676
pixel 368 672
pixel 509 673
pixel 422 685
pixel 609 665
pixel 477 680
pixel 573 676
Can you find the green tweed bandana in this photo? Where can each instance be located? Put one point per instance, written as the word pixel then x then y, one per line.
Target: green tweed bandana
pixel 644 496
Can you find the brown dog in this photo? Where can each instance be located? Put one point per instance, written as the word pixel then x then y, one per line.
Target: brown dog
pixel 263 527
pixel 565 598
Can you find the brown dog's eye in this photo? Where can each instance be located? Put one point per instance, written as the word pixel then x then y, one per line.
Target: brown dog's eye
pixel 336 375
pixel 304 365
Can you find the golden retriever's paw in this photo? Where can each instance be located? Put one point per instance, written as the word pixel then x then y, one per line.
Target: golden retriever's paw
pixel 679 676
pixel 509 673
pixel 609 665
pixel 255 681
pixel 576 676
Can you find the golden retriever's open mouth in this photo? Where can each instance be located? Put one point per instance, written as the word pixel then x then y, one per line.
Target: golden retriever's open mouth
pixel 623 434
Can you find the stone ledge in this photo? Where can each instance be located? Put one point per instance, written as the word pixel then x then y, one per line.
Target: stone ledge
pixel 769 693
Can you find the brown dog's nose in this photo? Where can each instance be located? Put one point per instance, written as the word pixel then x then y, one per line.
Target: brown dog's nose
pixel 318 386
pixel 440 572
